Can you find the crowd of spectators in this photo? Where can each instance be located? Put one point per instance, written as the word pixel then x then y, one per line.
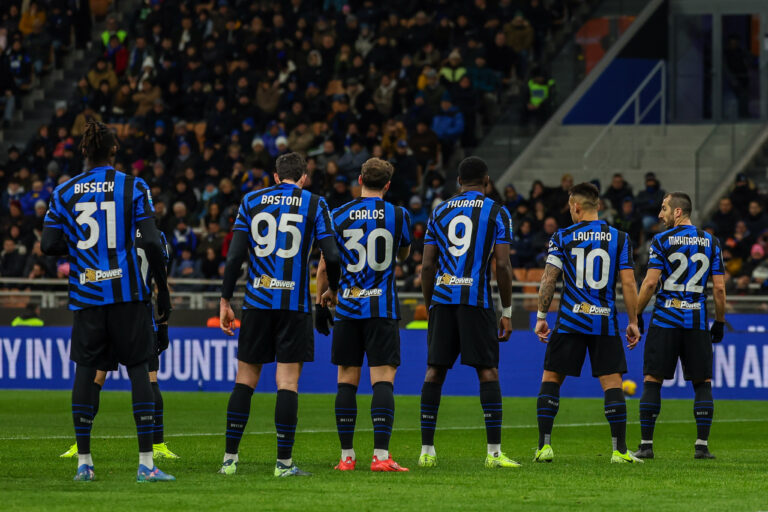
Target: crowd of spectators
pixel 204 95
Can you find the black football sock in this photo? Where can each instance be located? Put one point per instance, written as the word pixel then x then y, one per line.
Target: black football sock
pixel 650 406
pixel 616 414
pixel 430 402
pixel 346 414
pixel 82 407
pixel 143 405
pixel 238 410
pixel 382 414
pixel 286 418
pixel 490 399
pixel 547 406
pixel 95 396
pixel 703 411
pixel 157 437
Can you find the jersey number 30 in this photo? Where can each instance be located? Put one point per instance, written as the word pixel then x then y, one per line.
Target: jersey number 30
pixel 367 252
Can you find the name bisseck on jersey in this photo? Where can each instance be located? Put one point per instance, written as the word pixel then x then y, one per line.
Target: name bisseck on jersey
pixel 96 186
pixel 689 240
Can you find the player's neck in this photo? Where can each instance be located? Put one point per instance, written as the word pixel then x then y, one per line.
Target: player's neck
pixel 96 165
pixel 287 182
pixel 683 222
pixel 366 192
pixel 588 217
pixel 478 188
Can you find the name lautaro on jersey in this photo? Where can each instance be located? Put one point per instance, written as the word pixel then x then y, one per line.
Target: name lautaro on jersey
pixel 94 187
pixel 270 283
pixel 94 276
pixel 366 214
pixel 359 293
pixel 450 280
pixel 591 236
pixel 689 240
pixel 281 200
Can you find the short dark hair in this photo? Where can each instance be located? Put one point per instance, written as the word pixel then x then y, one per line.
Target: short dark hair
pixel 472 170
pixel 291 166
pixel 590 196
pixel 681 200
pixel 376 173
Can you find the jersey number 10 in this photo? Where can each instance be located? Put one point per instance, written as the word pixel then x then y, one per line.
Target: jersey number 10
pixel 585 267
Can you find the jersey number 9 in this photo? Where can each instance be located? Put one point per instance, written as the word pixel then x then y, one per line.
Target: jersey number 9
pixel 266 243
pixel 460 243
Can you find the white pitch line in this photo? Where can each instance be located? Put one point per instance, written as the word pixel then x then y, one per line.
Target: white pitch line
pixel 404 429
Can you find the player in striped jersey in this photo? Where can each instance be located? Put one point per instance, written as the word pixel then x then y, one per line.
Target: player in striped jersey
pixel 370 234
pixel 93 218
pixel 463 234
pixel 682 259
pixel 276 228
pixel 161 342
pixel 592 256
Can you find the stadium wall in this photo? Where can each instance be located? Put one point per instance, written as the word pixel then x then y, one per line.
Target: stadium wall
pixel 202 359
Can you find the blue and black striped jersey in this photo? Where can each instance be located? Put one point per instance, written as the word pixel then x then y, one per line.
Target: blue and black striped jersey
pixel 98 211
pixel 282 222
pixel 686 257
pixel 465 229
pixel 369 233
pixel 590 254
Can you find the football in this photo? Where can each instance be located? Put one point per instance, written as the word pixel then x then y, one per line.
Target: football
pixel 629 387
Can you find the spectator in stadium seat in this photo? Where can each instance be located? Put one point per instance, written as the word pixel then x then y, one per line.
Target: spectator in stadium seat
pixel 465 98
pixel 113 29
pixel 541 20
pixel 742 194
pixel 539 102
pixel 416 209
pixel 725 219
pixel 452 70
pixel 488 82
pixel 756 218
pixel 448 125
pixel 557 200
pixel 117 55
pixel 627 220
pixel 340 195
pixel 8 91
pixel 512 198
pixel 351 161
pixel 648 201
pixel 522 253
pixel 11 260
pixel 102 71
pixel 20 65
pixel 37 193
pixel 540 240
pixel 617 191
pixel 301 139
pixel 406 178
pixel 501 58
pixel 185 266
pixel 519 36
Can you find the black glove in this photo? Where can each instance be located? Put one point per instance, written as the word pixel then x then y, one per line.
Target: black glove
pixel 162 341
pixel 716 332
pixel 163 305
pixel 640 324
pixel 323 319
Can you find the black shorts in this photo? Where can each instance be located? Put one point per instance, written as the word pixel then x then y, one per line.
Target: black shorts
pixel 378 338
pixel 466 330
pixel 114 333
pixel 269 335
pixel 566 353
pixel 109 361
pixel 664 346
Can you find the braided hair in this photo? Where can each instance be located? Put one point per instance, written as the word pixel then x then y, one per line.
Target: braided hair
pixel 97 142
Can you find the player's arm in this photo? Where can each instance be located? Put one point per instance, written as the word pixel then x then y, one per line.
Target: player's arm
pixel 322 281
pixel 718 294
pixel 403 253
pixel 546 294
pixel 428 272
pixel 504 282
pixel 156 258
pixel 629 289
pixel 323 315
pixel 332 268
pixel 647 289
pixel 238 251
pixel 53 242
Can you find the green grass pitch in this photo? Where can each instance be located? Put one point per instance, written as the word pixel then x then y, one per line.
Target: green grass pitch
pixel 36 428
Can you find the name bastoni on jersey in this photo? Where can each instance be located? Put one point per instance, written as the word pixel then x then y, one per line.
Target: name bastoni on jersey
pixel 682 304
pixel 281 200
pixel 270 283
pixel 94 276
pixel 590 309
pixel 450 280
pixel 359 293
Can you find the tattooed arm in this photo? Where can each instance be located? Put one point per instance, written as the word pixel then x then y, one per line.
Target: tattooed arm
pixel 546 294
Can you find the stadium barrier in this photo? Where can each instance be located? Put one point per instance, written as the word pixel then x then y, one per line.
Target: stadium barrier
pixel 203 359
